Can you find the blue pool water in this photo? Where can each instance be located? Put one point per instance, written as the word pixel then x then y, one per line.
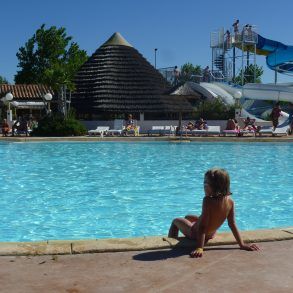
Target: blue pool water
pixel 105 190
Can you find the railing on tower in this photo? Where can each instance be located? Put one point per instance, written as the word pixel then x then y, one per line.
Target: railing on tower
pixel 225 43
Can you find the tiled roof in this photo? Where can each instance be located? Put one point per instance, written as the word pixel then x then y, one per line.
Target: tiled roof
pixel 25 91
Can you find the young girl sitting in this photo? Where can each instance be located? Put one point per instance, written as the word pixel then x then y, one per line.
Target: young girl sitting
pixel 217 206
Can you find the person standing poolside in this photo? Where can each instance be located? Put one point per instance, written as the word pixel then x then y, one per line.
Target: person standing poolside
pixel 275 115
pixel 217 206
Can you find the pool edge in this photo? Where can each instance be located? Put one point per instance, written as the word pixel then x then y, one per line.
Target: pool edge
pixel 54 247
pixel 150 139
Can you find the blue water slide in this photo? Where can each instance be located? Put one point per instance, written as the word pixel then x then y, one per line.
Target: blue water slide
pixel 279 56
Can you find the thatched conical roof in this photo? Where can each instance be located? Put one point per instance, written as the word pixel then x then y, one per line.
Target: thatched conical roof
pixel 118 79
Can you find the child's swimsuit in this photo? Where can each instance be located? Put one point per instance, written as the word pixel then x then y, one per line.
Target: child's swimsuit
pixel 194 233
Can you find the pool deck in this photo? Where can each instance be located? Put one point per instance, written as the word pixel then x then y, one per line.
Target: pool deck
pixel 175 139
pixel 55 247
pixel 152 264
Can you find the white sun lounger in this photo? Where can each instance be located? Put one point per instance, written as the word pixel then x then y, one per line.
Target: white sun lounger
pixel 231 132
pixel 115 132
pixel 169 130
pixel 156 130
pixel 211 130
pixel 278 131
pixel 162 130
pixel 100 130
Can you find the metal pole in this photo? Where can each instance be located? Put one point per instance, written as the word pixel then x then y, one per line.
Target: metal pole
pixel 212 59
pixel 254 61
pixel 242 70
pixel 247 58
pixel 276 73
pixel 156 49
pixel 234 61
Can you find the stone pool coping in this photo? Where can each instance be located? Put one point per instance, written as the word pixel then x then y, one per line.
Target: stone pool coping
pixel 54 247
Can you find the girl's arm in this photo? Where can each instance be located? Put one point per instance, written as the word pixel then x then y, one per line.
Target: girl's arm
pixel 235 231
pixel 201 230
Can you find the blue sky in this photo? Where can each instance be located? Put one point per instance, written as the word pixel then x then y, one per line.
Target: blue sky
pixel 179 29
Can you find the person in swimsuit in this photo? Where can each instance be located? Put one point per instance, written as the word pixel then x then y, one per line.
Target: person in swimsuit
pixel 275 115
pixel 5 128
pixel 217 206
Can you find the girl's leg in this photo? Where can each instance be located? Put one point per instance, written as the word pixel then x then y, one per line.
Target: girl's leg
pixel 191 218
pixel 182 225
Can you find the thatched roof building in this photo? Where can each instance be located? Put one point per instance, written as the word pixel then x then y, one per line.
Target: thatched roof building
pixel 118 79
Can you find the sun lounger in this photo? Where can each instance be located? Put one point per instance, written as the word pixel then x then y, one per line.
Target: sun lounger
pixel 118 128
pixel 111 132
pixel 211 130
pixel 281 131
pixel 100 130
pixel 184 131
pixel 169 130
pixel 156 130
pixel 162 130
pixel 247 131
pixel 231 132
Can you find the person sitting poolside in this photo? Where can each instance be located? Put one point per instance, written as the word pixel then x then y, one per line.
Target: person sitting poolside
pixel 130 125
pixel 201 124
pixel 5 128
pixel 232 125
pixel 249 124
pixel 20 125
pixel 190 126
pixel 217 206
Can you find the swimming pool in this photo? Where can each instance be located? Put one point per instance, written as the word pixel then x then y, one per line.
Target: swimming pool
pixel 118 189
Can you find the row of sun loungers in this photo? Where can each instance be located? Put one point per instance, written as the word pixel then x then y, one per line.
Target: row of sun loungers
pixel 105 130
pixel 171 130
pixel 210 130
pixel 281 131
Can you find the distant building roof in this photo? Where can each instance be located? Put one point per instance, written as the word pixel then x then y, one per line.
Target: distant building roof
pixel 116 40
pixel 25 91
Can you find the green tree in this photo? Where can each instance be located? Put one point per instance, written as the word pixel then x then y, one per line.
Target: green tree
pixel 249 75
pixel 214 110
pixel 49 57
pixel 3 80
pixel 189 72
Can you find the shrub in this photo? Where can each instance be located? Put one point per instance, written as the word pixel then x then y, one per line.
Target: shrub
pixel 57 125
pixel 214 110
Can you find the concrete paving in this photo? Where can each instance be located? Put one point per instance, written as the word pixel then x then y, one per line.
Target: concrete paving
pixel 222 269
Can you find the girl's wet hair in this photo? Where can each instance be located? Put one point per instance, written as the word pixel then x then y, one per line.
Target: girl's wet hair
pixel 219 181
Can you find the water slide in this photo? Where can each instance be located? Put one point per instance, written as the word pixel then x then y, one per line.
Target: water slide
pixel 229 93
pixel 278 56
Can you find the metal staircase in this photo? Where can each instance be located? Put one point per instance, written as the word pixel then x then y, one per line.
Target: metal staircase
pixel 221 66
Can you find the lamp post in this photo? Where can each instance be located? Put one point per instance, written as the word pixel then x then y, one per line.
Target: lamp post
pixel 48 97
pixel 156 49
pixel 237 96
pixel 9 98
